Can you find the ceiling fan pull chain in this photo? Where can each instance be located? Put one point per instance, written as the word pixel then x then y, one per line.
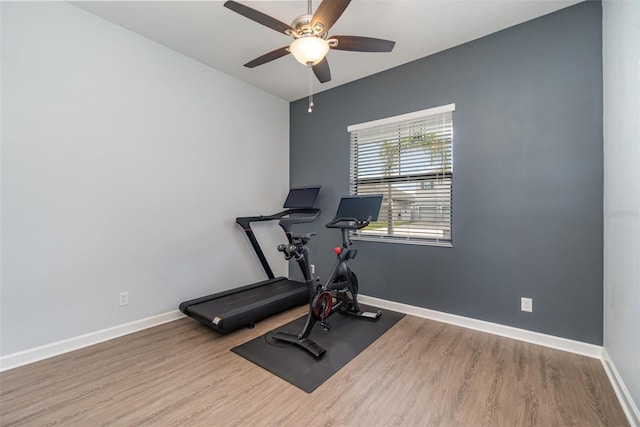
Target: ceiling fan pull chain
pixel 310 90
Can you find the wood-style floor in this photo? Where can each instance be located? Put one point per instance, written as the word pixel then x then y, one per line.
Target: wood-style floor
pixel 420 373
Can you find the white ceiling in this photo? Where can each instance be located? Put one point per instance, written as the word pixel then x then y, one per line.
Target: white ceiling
pixel 216 36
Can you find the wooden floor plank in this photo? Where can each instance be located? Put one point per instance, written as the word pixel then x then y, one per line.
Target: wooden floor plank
pixel 420 373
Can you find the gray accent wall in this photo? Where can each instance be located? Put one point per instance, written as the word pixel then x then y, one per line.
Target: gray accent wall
pixel 528 175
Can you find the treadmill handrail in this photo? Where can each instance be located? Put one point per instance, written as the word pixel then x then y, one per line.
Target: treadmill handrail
pixel 312 214
pixel 301 215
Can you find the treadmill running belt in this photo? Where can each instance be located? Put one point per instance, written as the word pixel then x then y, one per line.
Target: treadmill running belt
pixel 226 312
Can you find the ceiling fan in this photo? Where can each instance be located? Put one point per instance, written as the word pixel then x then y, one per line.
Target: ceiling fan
pixel 310 33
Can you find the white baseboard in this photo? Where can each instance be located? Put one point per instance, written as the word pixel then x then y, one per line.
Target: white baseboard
pixel 626 401
pixel 49 350
pixel 564 344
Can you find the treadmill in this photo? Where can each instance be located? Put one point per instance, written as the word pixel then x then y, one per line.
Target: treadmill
pixel 236 308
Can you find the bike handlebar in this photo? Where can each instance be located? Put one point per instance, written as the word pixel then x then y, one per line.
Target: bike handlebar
pixel 348 223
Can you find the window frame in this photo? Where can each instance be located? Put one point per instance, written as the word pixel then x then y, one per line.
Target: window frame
pixel 444 177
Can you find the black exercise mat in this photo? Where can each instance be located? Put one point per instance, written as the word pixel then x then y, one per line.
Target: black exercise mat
pixel 347 338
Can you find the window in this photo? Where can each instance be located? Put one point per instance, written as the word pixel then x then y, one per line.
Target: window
pixel 408 159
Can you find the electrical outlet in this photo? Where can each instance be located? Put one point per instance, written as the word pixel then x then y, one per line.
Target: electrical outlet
pixel 313 269
pixel 526 304
pixel 124 299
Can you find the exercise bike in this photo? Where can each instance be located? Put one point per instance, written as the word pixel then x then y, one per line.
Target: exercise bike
pixel 340 292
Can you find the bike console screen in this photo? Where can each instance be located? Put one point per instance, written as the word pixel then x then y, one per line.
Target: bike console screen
pixel 362 208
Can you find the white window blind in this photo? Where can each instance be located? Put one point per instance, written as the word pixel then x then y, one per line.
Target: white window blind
pixel 408 159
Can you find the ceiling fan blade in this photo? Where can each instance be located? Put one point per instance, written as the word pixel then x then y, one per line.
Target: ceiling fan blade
pixel 322 71
pixel 258 17
pixel 328 13
pixel 267 57
pixel 363 44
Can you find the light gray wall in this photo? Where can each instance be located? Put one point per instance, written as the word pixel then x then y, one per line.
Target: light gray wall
pixel 124 165
pixel 528 175
pixel 621 52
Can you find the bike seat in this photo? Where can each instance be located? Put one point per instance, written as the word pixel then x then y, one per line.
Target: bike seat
pixel 303 237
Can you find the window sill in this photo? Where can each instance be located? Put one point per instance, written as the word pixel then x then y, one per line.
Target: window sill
pixel 402 240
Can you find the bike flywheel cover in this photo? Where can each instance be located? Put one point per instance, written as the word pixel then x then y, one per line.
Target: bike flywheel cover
pixel 322 304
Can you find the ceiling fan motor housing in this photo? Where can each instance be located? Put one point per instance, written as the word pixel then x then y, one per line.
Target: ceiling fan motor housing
pixel 302 26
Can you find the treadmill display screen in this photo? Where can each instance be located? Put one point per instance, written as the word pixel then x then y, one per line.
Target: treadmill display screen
pixel 360 207
pixel 302 197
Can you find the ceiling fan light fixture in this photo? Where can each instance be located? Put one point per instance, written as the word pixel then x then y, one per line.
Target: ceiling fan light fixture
pixel 309 50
